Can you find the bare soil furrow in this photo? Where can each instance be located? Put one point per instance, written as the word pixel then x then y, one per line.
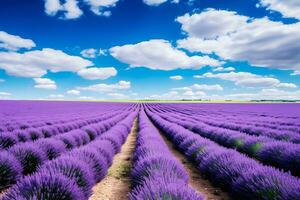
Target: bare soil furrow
pixel 116 185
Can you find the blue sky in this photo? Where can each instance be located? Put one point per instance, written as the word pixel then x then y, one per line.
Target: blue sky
pixel 149 49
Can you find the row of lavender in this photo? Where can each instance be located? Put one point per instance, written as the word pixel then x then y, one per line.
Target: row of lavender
pixel 72 174
pixel 23 121
pixel 9 139
pixel 280 154
pixel 278 130
pixel 25 158
pixel 21 156
pixel 156 174
pixel 20 115
pixel 275 116
pixel 243 177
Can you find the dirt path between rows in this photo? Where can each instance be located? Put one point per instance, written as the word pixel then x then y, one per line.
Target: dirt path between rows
pixel 116 185
pixel 196 181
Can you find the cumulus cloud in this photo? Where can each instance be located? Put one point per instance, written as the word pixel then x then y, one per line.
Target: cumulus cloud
pixel 73 92
pixel 52 6
pixel 99 7
pixel 211 23
pixel 117 95
pixel 36 63
pixel 86 98
pixel 95 73
pixel 89 53
pixel 69 8
pixel 45 83
pixel 159 54
pixel 207 87
pixel 171 95
pixel 198 76
pixel 93 53
pixel 176 78
pixel 287 85
pixel 266 94
pixel 223 69
pixel 72 9
pixel 14 42
pixel 288 8
pixel 102 87
pixel 175 95
pixel 260 41
pixel 215 87
pixel 249 79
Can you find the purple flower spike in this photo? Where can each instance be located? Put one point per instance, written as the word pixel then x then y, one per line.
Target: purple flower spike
pixel 10 170
pixel 45 186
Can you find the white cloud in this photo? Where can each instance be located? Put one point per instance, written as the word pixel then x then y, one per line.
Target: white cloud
pixel 86 98
pixel 287 85
pixel 56 96
pixel 93 53
pixel 264 94
pixel 159 54
pixel 36 63
pixel 288 8
pixel 261 42
pixel 89 53
pixel 14 42
pixel 215 87
pixel 99 7
pixel 5 95
pixel 223 69
pixel 232 76
pixel 121 85
pixel 45 83
pixel 295 73
pixel 176 78
pixel 198 76
pixel 258 82
pixel 102 52
pixel 158 2
pixel 249 79
pixel 70 8
pixel 211 23
pixel 154 2
pixel 95 73
pixel 117 95
pixel 73 92
pixel 175 95
pixel 52 7
pixel 267 94
pixel 188 93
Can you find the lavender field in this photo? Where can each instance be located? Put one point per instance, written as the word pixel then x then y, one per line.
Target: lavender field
pixel 149 151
